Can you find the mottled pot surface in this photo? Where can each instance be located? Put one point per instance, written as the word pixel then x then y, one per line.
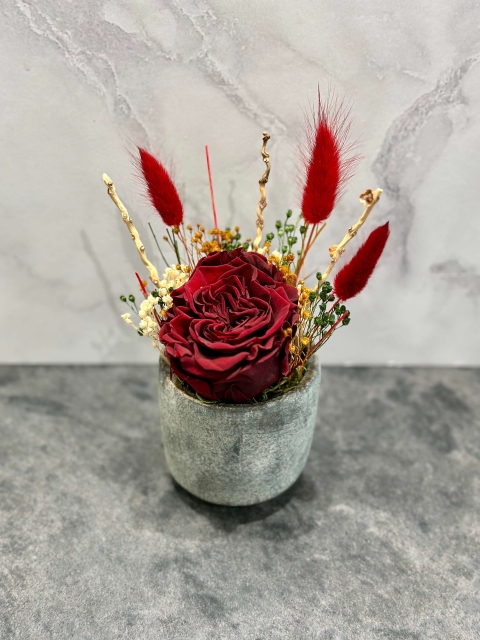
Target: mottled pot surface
pixel 237 454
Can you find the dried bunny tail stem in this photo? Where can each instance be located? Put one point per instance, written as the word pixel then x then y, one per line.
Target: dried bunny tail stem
pixel 263 195
pixel 369 198
pixel 133 232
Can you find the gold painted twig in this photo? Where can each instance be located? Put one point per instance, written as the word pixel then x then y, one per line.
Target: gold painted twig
pixel 263 195
pixel 369 198
pixel 133 232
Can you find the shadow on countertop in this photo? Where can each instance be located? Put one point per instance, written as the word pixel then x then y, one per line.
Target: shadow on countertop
pixel 229 518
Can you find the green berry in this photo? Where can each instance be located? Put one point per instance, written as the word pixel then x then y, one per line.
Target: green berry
pixel 131 298
pixel 140 332
pixel 280 233
pixel 312 295
pixel 299 253
pixel 284 249
pixel 346 321
pixel 292 241
pixel 270 236
pixel 323 306
pixel 278 224
pixel 319 275
pixel 332 319
pixel 123 298
pixel 331 298
pixel 289 213
pixel 245 246
pixel 317 321
pixel 170 288
pixel 303 229
pixel 343 308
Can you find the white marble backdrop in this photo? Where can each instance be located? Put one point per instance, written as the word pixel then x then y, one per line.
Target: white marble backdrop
pixel 83 81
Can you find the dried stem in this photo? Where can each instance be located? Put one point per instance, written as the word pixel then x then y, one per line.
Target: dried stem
pixel 133 232
pixel 263 195
pixel 369 199
pixel 183 239
pixel 158 246
pixel 323 339
pixel 314 233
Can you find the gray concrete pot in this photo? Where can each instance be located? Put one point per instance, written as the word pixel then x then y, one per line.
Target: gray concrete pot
pixel 235 454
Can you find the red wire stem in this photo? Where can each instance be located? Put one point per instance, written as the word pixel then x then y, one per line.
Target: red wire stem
pixel 145 293
pixel 212 196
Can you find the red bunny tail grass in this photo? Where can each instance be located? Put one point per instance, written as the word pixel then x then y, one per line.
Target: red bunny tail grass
pixel 352 279
pixel 328 159
pixel 160 189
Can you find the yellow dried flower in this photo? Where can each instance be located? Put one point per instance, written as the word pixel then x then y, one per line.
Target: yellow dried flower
pixel 209 247
pixel 305 341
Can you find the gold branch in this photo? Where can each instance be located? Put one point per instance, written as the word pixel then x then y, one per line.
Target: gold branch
pixel 133 232
pixel 263 195
pixel 369 198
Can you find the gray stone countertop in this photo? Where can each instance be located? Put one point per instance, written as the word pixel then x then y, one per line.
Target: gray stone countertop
pixel 379 539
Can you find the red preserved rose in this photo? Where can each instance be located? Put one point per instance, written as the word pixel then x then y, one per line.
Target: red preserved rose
pixel 225 333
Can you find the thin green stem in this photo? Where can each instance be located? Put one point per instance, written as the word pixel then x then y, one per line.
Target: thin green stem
pixel 174 242
pixel 158 246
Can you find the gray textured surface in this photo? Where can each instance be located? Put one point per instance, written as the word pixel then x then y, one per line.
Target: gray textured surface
pixel 379 539
pixel 237 454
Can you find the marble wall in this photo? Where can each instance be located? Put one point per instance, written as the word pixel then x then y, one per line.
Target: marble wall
pixel 82 82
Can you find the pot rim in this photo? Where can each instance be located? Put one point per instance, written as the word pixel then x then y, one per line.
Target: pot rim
pixel 313 370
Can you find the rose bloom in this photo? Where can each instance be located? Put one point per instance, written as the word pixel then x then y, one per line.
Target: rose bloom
pixel 225 333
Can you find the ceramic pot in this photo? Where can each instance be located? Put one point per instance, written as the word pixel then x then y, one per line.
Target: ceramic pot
pixel 237 454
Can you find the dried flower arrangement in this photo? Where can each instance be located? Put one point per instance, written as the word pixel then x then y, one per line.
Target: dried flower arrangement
pixel 234 318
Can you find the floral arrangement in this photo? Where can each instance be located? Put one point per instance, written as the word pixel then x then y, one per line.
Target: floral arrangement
pixel 235 318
